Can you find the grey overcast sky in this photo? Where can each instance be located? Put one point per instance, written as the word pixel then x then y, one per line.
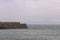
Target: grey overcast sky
pixel 30 11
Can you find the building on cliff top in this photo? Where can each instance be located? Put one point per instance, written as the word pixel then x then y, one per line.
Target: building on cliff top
pixel 12 25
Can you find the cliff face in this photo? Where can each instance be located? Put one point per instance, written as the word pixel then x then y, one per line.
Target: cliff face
pixel 12 25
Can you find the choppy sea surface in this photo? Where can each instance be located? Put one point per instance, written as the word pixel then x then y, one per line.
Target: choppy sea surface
pixel 34 32
pixel 44 27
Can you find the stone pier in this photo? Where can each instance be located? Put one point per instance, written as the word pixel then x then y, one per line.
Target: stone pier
pixel 12 25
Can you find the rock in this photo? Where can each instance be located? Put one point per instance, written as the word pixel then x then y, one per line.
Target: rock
pixel 12 25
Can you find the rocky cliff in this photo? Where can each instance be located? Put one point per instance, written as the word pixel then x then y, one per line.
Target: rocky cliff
pixel 12 25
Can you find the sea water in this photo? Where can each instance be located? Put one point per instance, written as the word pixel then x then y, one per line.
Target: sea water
pixel 42 33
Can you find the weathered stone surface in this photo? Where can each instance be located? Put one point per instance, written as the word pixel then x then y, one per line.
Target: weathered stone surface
pixel 12 25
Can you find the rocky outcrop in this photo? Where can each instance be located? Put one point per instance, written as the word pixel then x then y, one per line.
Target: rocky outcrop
pixel 12 25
